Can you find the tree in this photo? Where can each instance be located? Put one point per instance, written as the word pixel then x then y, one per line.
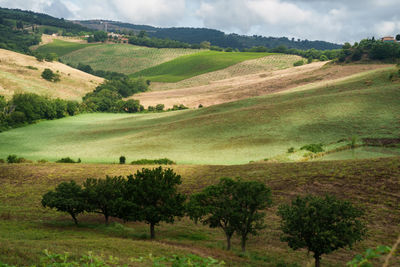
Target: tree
pixel 122 160
pixel 20 25
pixel 142 34
pixel 249 198
pixel 151 195
pixel 214 206
pixel 398 37
pixel 322 225
pixel 101 195
pixel 49 75
pixel 160 107
pixel 67 197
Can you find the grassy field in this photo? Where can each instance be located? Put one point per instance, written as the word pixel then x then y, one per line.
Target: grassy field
pixel 26 229
pixel 192 65
pixel 22 73
pixel 124 58
pixel 61 48
pixel 231 133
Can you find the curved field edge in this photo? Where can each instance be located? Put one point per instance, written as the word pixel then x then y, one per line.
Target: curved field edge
pixel 27 229
pixel 233 133
pixel 61 48
pixel 124 58
pixel 192 65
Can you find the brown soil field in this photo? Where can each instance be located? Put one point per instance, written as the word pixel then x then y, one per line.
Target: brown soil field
pixel 22 73
pixel 253 85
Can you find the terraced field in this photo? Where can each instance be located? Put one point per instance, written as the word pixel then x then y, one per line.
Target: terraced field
pixel 124 58
pixel 22 73
pixel 232 133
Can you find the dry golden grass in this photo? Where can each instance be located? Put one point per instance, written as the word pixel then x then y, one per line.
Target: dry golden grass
pixel 15 76
pixel 251 85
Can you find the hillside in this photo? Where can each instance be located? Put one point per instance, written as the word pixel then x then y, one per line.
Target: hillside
pixel 192 65
pixel 122 58
pixel 198 35
pixel 365 106
pixel 26 229
pixel 61 47
pixel 22 73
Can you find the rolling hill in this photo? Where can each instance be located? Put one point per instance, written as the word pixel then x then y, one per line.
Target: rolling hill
pixel 61 47
pixel 22 73
pixel 192 65
pixel 365 106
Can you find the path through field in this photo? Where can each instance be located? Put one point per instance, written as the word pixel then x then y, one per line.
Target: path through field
pixel 252 85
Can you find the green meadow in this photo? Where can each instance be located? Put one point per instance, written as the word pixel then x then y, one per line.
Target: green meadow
pixel 233 133
pixel 61 48
pixel 192 65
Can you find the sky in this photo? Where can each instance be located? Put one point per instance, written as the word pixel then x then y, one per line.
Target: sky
pixel 336 21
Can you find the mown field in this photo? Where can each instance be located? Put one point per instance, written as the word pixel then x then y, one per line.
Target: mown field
pixel 192 65
pixel 233 133
pixel 26 229
pixel 123 58
pixel 22 73
pixel 61 48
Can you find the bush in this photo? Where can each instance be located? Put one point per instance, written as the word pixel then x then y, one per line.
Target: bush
pixel 290 150
pixel 15 159
pixel 298 63
pixel 50 76
pixel 122 160
pixel 314 148
pixel 323 58
pixel 163 161
pixel 68 160
pixel 160 107
pixel 309 60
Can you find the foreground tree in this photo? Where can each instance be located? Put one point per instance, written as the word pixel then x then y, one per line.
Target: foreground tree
pixel 101 195
pixel 322 225
pixel 250 199
pixel 67 197
pixel 151 195
pixel 214 206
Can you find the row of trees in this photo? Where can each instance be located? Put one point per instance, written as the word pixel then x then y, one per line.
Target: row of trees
pixel 320 224
pixel 28 108
pixel 370 49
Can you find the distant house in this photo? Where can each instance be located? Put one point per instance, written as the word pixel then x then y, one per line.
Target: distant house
pixel 388 39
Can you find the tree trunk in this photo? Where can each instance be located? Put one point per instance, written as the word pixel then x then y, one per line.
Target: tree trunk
pixel 106 216
pixel 152 234
pixel 228 241
pixel 243 243
pixel 73 217
pixel 317 260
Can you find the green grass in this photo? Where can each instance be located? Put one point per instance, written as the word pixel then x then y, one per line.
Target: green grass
pixel 61 48
pixel 231 133
pixel 123 58
pixel 192 65
pixel 26 228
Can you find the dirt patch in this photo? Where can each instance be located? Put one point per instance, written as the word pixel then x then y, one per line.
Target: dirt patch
pixel 388 142
pixel 233 89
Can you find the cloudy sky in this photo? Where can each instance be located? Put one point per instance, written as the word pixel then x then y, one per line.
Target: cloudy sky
pixel 330 20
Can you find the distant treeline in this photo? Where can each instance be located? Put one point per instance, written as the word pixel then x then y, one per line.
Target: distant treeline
pixel 215 37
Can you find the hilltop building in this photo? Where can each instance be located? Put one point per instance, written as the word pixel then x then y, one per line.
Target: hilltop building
pixel 388 39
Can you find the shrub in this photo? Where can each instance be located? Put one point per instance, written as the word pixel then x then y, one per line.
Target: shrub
pixel 160 107
pixel 164 161
pixel 290 150
pixel 323 58
pixel 200 105
pixel 122 160
pixel 150 108
pixel 42 161
pixel 68 160
pixel 298 63
pixel 15 159
pixel 50 76
pixel 309 60
pixel 314 148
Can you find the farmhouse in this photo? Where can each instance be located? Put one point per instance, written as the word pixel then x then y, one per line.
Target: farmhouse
pixel 388 39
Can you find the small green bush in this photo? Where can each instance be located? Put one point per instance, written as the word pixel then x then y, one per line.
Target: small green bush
pixel 68 160
pixel 122 160
pixel 163 161
pixel 160 107
pixel 298 63
pixel 15 159
pixel 323 58
pixel 314 148
pixel 290 150
pixel 31 68
pixel 50 76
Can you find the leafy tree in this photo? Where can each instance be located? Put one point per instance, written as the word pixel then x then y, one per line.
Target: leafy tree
pixel 214 206
pixel 398 37
pixel 142 34
pixel 101 195
pixel 49 75
pixel 151 195
pixel 160 107
pixel 249 198
pixel 67 197
pixel 322 225
pixel 122 160
pixel 20 25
